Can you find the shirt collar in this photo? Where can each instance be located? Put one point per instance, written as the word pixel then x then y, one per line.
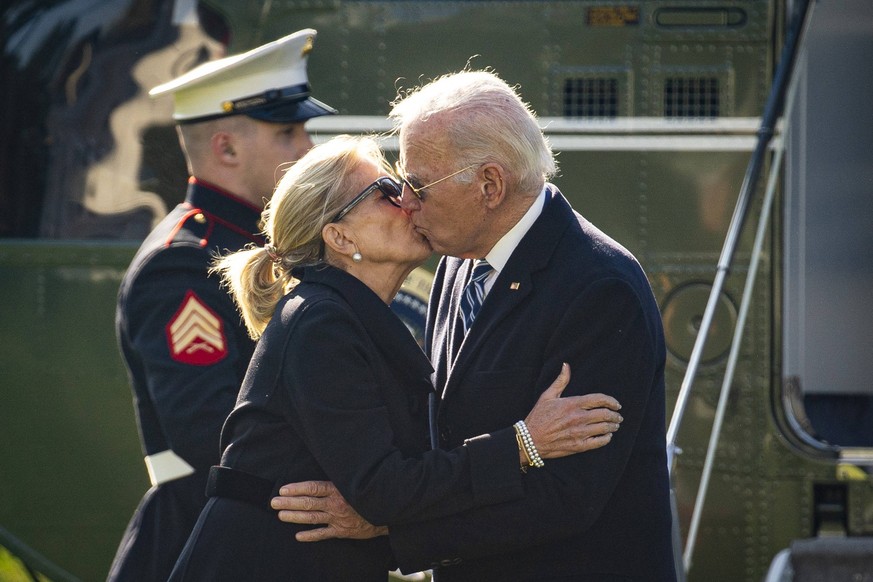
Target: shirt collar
pixel 499 254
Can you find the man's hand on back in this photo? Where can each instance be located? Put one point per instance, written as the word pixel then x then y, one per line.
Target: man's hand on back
pixel 319 502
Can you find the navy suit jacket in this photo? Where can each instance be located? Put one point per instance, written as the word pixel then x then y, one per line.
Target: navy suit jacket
pixel 570 294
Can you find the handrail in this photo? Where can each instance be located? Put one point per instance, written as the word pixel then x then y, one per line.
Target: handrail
pixel 737 339
pixel 33 559
pixel 772 111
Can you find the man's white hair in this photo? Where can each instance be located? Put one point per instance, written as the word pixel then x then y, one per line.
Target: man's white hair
pixel 484 120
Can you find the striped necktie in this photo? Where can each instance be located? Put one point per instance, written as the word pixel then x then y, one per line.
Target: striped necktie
pixel 474 293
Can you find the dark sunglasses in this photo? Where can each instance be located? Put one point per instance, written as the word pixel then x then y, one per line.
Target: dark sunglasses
pixel 390 189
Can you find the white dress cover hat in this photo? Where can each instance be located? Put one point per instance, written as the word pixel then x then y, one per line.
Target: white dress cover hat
pixel 267 83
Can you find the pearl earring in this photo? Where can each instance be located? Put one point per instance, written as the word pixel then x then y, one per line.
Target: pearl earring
pixel 357 257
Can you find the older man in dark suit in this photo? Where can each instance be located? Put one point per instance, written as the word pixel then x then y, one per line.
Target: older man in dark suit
pixel 528 283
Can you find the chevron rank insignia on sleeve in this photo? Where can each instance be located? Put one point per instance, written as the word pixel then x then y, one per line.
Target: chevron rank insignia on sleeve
pixel 195 333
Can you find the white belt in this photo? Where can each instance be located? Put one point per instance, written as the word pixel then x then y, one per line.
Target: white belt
pixel 166 466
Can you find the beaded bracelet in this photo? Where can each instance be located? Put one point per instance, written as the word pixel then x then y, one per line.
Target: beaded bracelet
pixel 530 450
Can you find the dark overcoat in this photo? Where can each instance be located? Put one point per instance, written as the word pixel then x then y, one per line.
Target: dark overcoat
pixel 337 390
pixel 570 294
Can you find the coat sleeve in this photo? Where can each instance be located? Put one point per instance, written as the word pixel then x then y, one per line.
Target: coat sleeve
pixel 330 374
pixel 608 338
pixel 190 398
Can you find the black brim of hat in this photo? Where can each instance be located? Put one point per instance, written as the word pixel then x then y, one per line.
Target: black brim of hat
pixel 291 111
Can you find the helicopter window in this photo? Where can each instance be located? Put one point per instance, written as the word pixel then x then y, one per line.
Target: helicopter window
pixel 691 97
pixel 591 97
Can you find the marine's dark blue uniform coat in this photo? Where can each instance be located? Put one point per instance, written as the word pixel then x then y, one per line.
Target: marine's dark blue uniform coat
pixel 186 350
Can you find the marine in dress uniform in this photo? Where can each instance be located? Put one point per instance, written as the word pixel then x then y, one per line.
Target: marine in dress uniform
pixel 182 339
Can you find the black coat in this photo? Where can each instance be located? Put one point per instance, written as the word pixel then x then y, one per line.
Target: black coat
pixel 186 351
pixel 337 390
pixel 567 294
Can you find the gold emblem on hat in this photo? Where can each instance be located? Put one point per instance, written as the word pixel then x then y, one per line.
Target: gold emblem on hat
pixel 307 47
pixel 227 106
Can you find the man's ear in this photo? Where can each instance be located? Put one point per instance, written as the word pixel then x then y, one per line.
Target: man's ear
pixel 493 184
pixel 223 148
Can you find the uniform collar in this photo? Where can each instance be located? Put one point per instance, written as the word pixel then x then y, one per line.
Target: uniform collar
pixel 223 205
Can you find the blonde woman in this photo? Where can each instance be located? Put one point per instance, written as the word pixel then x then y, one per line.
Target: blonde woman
pixel 337 388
